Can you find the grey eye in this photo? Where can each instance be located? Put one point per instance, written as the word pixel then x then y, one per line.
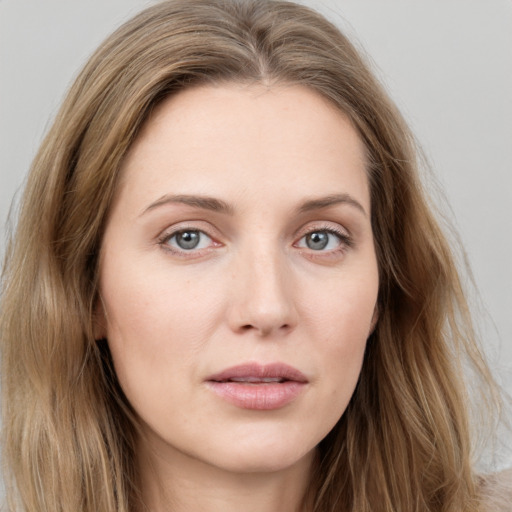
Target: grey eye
pixel 187 240
pixel 317 240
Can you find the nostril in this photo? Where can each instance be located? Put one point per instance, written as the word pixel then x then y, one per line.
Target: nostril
pixel 264 330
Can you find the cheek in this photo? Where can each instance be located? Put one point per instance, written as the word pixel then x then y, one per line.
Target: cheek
pixel 342 312
pixel 341 320
pixel 156 323
pixel 150 303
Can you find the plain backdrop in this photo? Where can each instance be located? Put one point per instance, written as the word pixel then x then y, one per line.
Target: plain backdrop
pixel 448 65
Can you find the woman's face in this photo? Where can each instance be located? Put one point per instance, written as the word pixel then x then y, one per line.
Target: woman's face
pixel 238 275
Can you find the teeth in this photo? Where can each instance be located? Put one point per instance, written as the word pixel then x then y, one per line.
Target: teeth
pixel 255 380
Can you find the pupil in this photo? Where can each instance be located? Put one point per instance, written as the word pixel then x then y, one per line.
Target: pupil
pixel 187 239
pixel 317 241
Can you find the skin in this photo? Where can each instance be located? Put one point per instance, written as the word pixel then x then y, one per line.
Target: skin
pixel 253 290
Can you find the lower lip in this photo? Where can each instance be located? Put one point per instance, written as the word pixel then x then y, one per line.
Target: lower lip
pixel 260 397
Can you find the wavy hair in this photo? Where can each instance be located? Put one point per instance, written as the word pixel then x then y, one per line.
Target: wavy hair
pixel 403 444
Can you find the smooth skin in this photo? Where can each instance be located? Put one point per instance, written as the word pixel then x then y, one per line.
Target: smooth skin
pixel 240 233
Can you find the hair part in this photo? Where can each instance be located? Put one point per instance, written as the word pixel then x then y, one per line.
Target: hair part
pixel 404 442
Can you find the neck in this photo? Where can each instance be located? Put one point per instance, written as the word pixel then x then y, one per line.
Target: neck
pixel 184 484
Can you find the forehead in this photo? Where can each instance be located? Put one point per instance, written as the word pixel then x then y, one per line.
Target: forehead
pixel 242 139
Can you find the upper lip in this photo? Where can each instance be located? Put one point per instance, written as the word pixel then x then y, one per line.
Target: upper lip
pixel 254 372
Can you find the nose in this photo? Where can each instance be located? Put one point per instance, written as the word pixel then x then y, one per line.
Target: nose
pixel 263 295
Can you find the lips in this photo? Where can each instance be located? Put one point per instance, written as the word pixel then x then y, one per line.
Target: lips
pixel 258 387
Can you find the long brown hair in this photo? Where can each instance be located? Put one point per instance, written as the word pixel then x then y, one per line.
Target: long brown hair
pixel 402 445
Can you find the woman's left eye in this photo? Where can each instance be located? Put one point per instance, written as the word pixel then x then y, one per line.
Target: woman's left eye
pixel 322 240
pixel 188 240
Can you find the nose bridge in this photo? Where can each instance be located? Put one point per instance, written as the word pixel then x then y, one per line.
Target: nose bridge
pixel 264 300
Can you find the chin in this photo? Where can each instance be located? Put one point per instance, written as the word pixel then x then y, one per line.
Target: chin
pixel 267 462
pixel 270 454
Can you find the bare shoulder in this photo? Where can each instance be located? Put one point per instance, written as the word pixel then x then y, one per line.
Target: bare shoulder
pixel 496 492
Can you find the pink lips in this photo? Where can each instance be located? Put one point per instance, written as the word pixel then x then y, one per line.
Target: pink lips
pixel 258 387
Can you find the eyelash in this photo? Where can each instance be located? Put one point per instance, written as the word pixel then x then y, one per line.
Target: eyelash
pixel 345 242
pixel 167 236
pixel 344 239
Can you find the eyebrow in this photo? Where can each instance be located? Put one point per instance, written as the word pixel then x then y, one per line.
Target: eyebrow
pixel 219 206
pixel 331 200
pixel 203 202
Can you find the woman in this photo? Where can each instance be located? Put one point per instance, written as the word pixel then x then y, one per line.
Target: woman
pixel 227 289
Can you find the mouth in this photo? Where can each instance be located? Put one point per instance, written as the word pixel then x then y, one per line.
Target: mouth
pixel 257 373
pixel 258 387
pixel 254 380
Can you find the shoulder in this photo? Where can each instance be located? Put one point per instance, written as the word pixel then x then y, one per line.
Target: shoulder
pixel 496 491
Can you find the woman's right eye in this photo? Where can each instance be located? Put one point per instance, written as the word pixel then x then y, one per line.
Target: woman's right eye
pixel 187 240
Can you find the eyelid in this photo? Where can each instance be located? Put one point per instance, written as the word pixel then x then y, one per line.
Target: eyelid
pixel 331 227
pixel 345 238
pixel 168 233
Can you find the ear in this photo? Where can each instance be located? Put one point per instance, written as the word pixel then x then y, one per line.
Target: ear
pixel 375 319
pixel 99 320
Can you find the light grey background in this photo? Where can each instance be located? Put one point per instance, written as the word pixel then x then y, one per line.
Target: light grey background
pixel 447 64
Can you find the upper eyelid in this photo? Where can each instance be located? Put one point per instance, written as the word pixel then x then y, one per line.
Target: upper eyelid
pixel 322 225
pixel 189 225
